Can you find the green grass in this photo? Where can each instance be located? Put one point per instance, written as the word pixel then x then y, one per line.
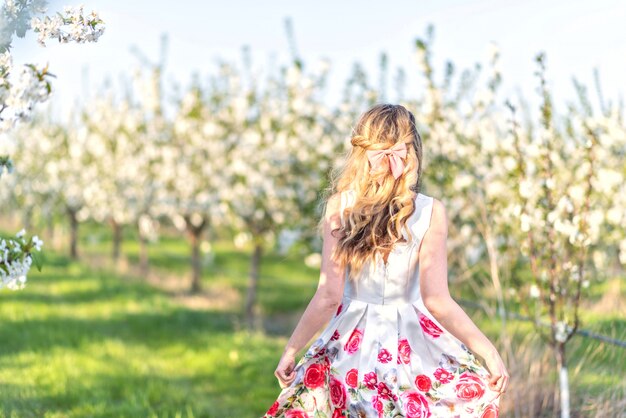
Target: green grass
pixel 78 342
pixel 85 342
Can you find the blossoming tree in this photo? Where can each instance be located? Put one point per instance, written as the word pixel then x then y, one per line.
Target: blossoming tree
pixel 19 93
pixel 569 184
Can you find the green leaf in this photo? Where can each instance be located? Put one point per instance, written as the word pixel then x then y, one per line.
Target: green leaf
pixel 37 260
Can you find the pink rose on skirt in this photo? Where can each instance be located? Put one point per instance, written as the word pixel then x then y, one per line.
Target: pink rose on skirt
pixel 377 404
pixel 415 405
pixel 370 379
pixel 383 391
pixel 273 409
pixel 429 326
pixel 353 343
pixel 296 413
pixel 423 382
pixel 337 393
pixel 469 387
pixel 443 375
pixel 352 378
pixel 490 412
pixel 314 376
pixel 404 351
pixel 384 356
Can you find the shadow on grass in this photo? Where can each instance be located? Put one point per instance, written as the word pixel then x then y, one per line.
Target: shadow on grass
pixel 152 329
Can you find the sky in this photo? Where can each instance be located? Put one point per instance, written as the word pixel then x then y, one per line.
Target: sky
pixel 577 37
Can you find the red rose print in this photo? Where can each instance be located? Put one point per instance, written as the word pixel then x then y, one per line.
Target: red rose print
pixel 353 343
pixel 337 413
pixel 429 326
pixel 337 393
pixel 272 409
pixel 383 391
pixel 415 405
pixel 296 413
pixel 490 412
pixel 339 309
pixel 384 356
pixel 370 380
pixel 469 387
pixel 324 363
pixel 352 378
pixel 443 375
pixel 335 336
pixel 377 404
pixel 314 376
pixel 423 382
pixel 404 351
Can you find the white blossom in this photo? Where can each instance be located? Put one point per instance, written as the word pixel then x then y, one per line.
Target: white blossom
pixel 534 291
pixel 80 27
pixel 561 331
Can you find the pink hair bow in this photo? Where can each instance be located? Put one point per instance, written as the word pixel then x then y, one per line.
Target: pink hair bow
pixel 394 154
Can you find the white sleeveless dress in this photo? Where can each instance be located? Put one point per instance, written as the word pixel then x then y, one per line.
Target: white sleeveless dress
pixel 383 354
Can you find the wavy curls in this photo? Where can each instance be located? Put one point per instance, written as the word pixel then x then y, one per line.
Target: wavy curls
pixel 382 203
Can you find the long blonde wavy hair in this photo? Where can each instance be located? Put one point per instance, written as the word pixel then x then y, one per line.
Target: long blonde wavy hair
pixel 380 211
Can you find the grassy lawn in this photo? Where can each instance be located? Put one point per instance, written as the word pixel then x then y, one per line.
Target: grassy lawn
pixel 79 342
pixel 82 341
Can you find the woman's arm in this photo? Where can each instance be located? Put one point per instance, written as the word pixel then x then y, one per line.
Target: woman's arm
pixel 433 267
pixel 329 290
pixel 325 301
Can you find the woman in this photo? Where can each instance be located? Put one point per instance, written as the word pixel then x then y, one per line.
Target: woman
pixel 397 344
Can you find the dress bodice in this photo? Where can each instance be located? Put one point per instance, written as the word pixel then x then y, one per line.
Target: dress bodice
pixel 397 280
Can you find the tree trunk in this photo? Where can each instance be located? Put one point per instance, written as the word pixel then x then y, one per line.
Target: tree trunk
pixel 194 232
pixel 196 267
pixel 73 233
pixel 253 283
pixel 117 239
pixel 563 379
pixel 143 254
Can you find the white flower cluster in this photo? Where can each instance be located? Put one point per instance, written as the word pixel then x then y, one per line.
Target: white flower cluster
pixel 21 90
pixel 80 28
pixel 13 7
pixel 20 93
pixel 16 260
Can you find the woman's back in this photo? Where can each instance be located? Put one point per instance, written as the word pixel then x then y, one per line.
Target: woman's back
pixel 396 280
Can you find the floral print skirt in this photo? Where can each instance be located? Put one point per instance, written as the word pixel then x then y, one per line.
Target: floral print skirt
pixel 387 361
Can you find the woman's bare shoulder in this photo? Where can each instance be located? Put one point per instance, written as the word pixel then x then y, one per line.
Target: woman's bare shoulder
pixel 439 217
pixel 333 204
